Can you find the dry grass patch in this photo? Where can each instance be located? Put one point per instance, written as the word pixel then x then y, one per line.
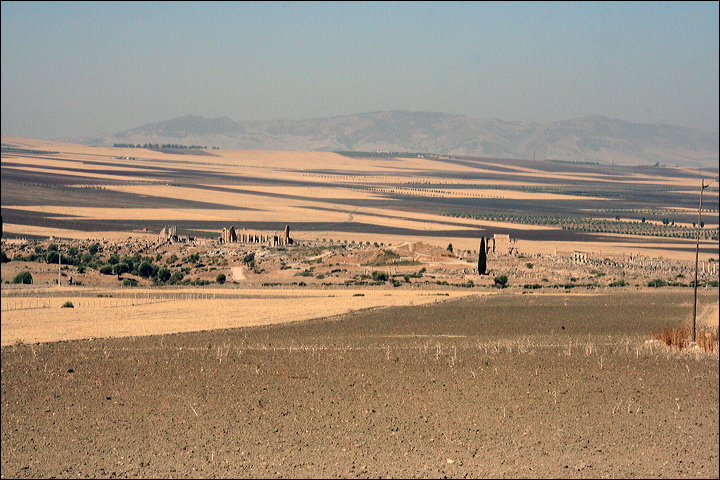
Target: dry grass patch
pixel 680 338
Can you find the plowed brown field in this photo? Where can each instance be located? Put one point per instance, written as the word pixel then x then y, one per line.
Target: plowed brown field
pixel 535 386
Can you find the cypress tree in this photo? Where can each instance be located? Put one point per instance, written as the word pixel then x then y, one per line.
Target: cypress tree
pixel 482 260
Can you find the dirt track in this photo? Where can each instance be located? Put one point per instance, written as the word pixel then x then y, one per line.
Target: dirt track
pixel 483 386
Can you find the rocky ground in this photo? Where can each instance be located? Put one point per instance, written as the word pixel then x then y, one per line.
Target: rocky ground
pixel 333 264
pixel 537 386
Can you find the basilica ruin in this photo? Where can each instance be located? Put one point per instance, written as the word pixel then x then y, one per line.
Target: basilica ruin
pixel 230 235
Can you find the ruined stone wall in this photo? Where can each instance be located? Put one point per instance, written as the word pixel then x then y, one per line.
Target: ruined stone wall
pixel 228 235
pixel 680 270
pixel 255 236
pixel 501 244
pixel 168 233
pixel 580 257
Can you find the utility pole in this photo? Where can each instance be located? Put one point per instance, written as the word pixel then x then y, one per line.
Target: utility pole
pixel 697 252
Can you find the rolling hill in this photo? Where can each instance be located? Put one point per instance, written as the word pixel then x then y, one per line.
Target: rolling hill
pixel 595 139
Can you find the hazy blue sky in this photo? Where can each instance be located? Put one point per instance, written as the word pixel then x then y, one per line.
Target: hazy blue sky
pixel 83 68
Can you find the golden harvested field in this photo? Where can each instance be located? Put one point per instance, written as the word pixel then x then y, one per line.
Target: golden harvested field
pixel 118 196
pixel 38 318
pixel 98 192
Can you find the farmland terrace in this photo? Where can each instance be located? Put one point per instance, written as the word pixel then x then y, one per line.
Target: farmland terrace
pixel 73 191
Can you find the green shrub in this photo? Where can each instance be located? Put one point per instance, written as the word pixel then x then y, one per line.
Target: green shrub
pixel 67 304
pixel 379 276
pixel 501 281
pixel 176 277
pixel 120 268
pixel 52 256
pixel 220 278
pixel 24 277
pixel 657 283
pixel 129 282
pixel 145 269
pixel 163 274
pixel 192 258
pixel 618 283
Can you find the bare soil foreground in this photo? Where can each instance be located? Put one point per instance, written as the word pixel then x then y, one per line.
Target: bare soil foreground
pixel 562 385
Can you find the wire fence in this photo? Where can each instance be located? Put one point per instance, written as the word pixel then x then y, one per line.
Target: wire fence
pixel 47 299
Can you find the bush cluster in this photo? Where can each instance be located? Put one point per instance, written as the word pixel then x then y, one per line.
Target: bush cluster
pixel 23 277
pixel 92 256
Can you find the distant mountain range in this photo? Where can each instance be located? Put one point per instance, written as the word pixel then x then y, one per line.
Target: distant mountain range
pixel 588 139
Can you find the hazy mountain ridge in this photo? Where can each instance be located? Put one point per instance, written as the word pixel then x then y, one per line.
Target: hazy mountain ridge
pixel 587 139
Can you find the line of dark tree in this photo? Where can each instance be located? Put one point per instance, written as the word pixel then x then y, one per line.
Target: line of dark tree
pixel 8 149
pixel 570 161
pixel 158 146
pixel 376 154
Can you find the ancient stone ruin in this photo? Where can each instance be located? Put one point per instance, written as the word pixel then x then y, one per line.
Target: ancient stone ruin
pixel 501 244
pixel 230 235
pixel 168 234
